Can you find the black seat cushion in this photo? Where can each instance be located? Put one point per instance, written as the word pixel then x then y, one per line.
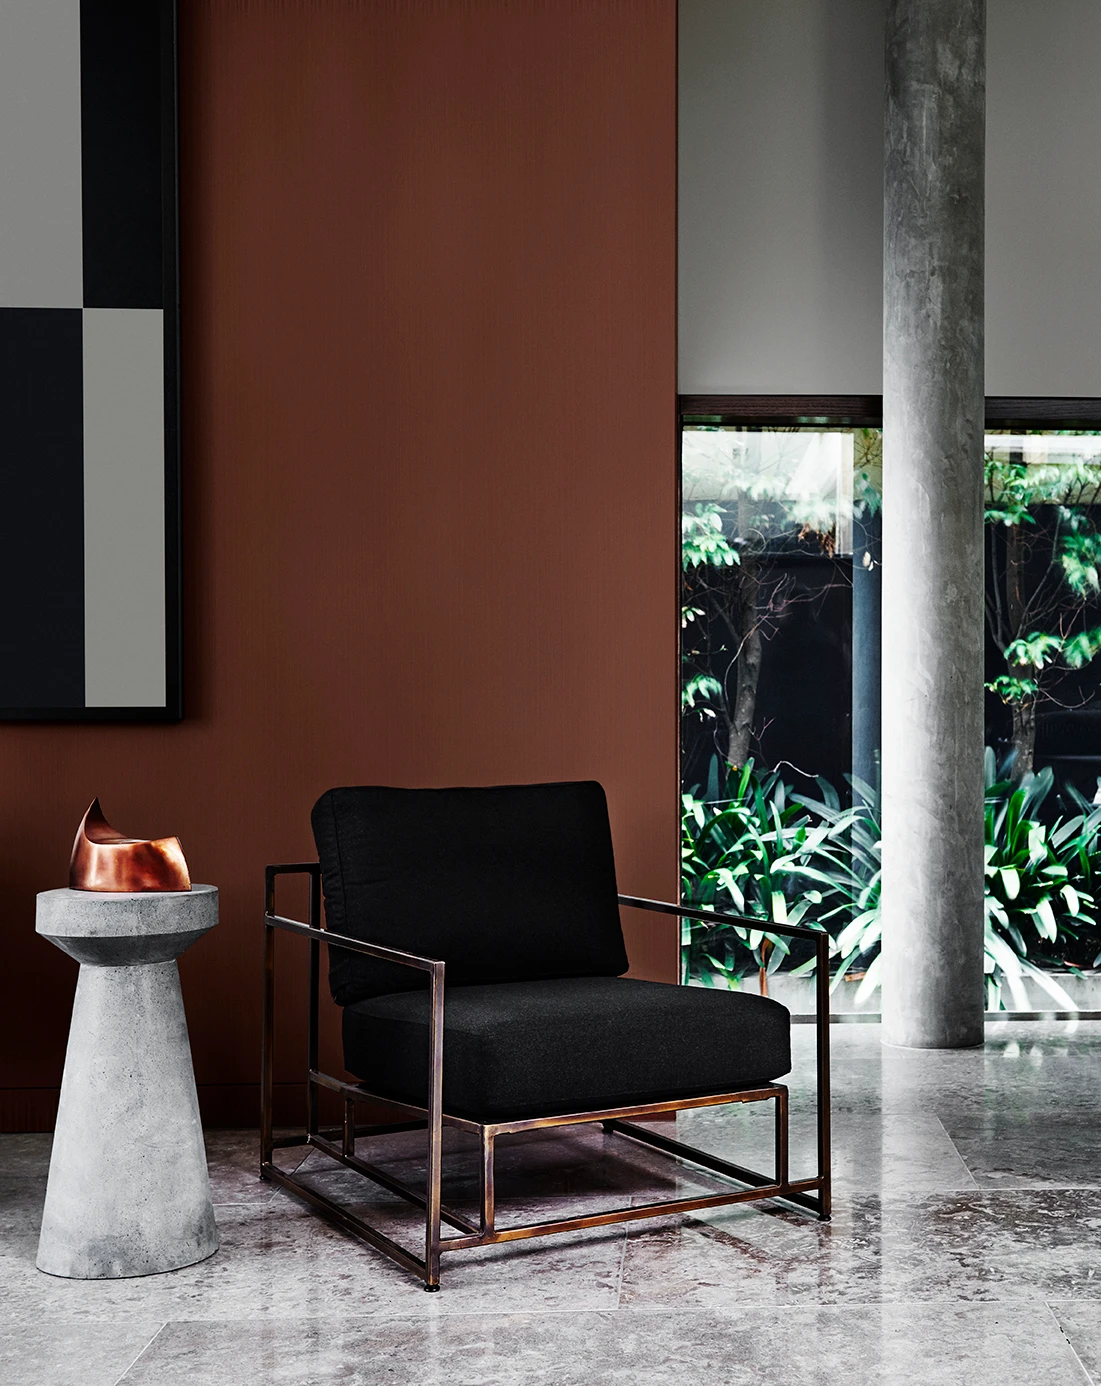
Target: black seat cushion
pixel 503 884
pixel 575 1044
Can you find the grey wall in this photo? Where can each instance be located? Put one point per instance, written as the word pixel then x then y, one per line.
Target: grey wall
pixel 781 174
pixel 1043 198
pixel 781 184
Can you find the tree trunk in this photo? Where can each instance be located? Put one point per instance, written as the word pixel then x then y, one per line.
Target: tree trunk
pixel 748 664
pixel 1024 738
pixel 1014 576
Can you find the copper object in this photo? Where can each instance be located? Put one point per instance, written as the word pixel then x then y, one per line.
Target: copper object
pixel 103 859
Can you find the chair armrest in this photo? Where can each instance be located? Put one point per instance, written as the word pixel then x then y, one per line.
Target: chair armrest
pixel 821 941
pixel 767 926
pixel 435 966
pixel 315 1078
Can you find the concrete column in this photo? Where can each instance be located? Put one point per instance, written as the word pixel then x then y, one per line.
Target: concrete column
pixel 932 524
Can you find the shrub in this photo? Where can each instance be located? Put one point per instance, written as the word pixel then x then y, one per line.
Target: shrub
pixel 772 856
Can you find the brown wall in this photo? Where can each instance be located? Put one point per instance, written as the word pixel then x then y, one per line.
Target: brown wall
pixel 428 273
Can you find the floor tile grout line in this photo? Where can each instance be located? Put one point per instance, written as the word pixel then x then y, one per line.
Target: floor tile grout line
pixel 1059 1328
pixel 120 1379
pixel 960 1302
pixel 697 1311
pixel 959 1154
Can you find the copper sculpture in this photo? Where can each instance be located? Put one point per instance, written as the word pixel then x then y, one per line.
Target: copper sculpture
pixel 103 859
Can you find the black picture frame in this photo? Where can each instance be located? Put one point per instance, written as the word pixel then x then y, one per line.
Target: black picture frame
pixel 110 20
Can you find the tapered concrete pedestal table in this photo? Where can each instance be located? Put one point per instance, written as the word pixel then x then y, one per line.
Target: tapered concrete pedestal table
pixel 128 1192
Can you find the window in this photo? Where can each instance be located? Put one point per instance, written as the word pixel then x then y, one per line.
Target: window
pixel 781 566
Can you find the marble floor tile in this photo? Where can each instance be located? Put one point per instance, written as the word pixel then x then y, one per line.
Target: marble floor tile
pixel 20 1209
pixel 233 1159
pixel 1014 1148
pixel 968 1199
pixel 56 1352
pixel 1037 1066
pixel 889 1345
pixel 1080 1321
pixel 1028 1244
pixel 25 1153
pixel 231 1156
pixel 280 1259
pixel 909 1153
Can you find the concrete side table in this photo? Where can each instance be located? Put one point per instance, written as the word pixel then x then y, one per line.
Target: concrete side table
pixel 128 1192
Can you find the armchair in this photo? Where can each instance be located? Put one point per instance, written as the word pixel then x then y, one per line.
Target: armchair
pixel 508 895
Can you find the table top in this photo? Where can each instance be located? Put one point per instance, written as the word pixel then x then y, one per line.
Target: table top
pixel 115 914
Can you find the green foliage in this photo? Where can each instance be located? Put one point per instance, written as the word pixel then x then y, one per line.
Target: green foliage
pixel 700 689
pixel 770 855
pixel 1046 573
pixel 1040 886
pixel 689 614
pixel 1011 488
pixel 1080 649
pixel 1078 552
pixel 860 932
pixel 702 540
pixel 867 473
pixel 1013 690
pixel 1014 488
pixel 1039 651
pixel 1036 649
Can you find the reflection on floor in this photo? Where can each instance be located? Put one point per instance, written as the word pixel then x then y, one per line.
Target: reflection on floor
pixel 965 1249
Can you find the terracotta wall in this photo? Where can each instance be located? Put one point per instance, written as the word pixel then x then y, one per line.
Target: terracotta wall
pixel 428 261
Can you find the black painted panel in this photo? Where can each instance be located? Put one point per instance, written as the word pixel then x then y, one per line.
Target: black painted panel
pixel 41 508
pixel 122 160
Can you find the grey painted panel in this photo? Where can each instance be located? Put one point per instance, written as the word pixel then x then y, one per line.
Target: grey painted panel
pixel 40 208
pixel 1043 198
pixel 124 527
pixel 781 179
pixel 780 185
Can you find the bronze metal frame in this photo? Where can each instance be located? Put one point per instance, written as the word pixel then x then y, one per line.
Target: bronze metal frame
pixel 812 1195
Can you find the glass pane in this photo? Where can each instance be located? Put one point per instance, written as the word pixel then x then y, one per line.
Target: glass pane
pixel 781 698
pixel 780 489
pixel 777 643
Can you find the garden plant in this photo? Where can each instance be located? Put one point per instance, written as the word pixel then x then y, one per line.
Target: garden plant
pixel 1044 578
pixel 770 855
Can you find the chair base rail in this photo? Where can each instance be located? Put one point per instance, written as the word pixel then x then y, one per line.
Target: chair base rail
pixel 756 1186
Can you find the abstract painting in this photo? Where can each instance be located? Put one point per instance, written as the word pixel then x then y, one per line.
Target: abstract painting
pixel 89 394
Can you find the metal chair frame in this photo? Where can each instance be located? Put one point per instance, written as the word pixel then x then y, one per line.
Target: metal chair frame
pixel 812 1195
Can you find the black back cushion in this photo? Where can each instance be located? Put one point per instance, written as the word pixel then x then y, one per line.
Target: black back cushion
pixel 508 884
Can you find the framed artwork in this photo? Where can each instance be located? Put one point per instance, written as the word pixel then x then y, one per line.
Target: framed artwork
pixel 89 362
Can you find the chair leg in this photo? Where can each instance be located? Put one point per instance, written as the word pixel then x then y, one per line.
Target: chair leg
pixel 825 1161
pixel 822 1027
pixel 488 1211
pixel 267 1053
pixel 782 1137
pixel 348 1143
pixel 433 1196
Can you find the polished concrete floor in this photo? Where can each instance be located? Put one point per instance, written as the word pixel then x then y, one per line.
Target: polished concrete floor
pixel 965 1248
